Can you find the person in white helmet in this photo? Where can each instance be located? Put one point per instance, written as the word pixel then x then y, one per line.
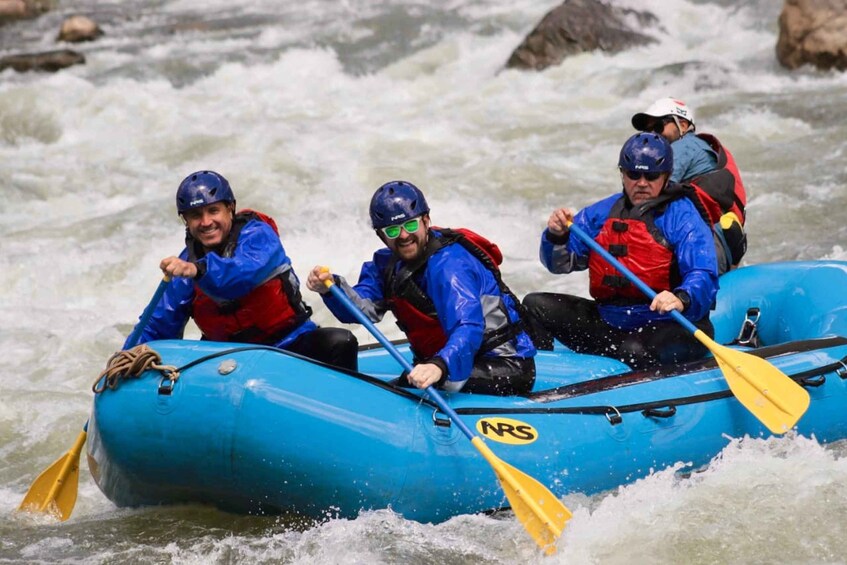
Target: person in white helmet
pixel 704 165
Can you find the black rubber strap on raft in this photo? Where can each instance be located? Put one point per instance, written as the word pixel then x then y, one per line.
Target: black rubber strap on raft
pixel 578 389
pixel 589 385
pixel 604 410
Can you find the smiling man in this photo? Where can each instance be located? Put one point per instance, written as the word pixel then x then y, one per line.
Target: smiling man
pixel 445 289
pixel 235 279
pixel 656 232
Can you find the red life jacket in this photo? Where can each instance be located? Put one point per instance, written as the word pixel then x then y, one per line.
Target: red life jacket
pixel 415 312
pixel 631 236
pixel 265 314
pixel 721 191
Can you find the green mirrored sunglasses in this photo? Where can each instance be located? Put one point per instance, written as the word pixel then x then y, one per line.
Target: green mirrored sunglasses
pixel 393 232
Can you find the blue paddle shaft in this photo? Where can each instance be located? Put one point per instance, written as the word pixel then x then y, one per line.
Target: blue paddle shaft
pixel 365 321
pixel 627 273
pixel 145 317
pixel 142 323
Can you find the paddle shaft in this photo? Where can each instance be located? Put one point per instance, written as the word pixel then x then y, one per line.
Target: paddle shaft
pixel 51 488
pixel 770 395
pixel 586 239
pixel 541 513
pixel 148 312
pixel 431 392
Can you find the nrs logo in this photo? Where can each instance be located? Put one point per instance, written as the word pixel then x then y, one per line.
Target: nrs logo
pixel 506 430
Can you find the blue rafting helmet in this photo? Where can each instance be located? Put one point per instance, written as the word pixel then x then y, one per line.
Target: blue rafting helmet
pixel 648 152
pixel 395 202
pixel 202 188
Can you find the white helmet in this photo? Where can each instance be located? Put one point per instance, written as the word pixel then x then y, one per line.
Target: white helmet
pixel 661 108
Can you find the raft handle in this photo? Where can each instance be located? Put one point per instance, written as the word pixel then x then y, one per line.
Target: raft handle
pixel 814 381
pixel 440 422
pixel 615 418
pixel 659 412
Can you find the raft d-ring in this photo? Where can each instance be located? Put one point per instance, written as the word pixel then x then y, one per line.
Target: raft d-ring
pixel 440 422
pixel 615 418
pixel 841 371
pixel 166 386
pixel 814 381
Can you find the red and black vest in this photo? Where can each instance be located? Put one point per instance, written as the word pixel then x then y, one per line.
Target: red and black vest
pixel 415 312
pixel 630 235
pixel 720 191
pixel 265 314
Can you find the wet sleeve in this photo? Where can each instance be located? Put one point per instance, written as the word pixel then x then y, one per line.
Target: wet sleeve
pixel 455 284
pixel 367 294
pixel 568 253
pixel 694 248
pixel 258 254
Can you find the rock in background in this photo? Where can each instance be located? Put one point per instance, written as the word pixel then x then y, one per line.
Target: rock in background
pixel 49 61
pixel 79 28
pixel 578 26
pixel 11 10
pixel 813 32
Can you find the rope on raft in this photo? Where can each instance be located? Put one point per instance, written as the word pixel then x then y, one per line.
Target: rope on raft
pixel 131 363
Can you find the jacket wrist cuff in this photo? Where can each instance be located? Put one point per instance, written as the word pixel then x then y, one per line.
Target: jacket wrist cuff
pixel 201 269
pixel 557 239
pixel 439 362
pixel 684 297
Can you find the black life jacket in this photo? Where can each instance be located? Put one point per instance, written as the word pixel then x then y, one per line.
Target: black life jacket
pixel 415 311
pixel 721 194
pixel 721 190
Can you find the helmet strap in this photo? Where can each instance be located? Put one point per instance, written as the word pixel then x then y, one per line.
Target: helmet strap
pixel 678 125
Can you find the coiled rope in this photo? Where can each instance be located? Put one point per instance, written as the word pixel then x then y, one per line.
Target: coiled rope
pixel 131 363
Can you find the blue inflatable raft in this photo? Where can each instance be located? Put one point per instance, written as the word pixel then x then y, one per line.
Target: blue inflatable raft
pixel 256 430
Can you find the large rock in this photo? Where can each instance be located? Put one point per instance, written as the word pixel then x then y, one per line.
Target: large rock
pixel 79 28
pixel 11 10
pixel 578 26
pixel 814 32
pixel 50 61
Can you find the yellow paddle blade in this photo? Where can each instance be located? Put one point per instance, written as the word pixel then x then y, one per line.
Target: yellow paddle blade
pixel 542 514
pixel 54 491
pixel 774 398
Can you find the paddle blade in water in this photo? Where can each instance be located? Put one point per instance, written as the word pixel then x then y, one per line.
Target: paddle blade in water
pixel 54 491
pixel 542 514
pixel 774 398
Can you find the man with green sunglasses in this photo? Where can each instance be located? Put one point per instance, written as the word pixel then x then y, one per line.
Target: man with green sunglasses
pixel 445 290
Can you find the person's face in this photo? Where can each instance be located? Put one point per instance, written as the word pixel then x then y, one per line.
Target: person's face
pixel 646 187
pixel 210 224
pixel 407 245
pixel 669 127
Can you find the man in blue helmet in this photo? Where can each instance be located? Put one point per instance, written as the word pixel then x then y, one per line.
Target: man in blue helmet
pixel 657 233
pixel 707 170
pixel 444 288
pixel 235 279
